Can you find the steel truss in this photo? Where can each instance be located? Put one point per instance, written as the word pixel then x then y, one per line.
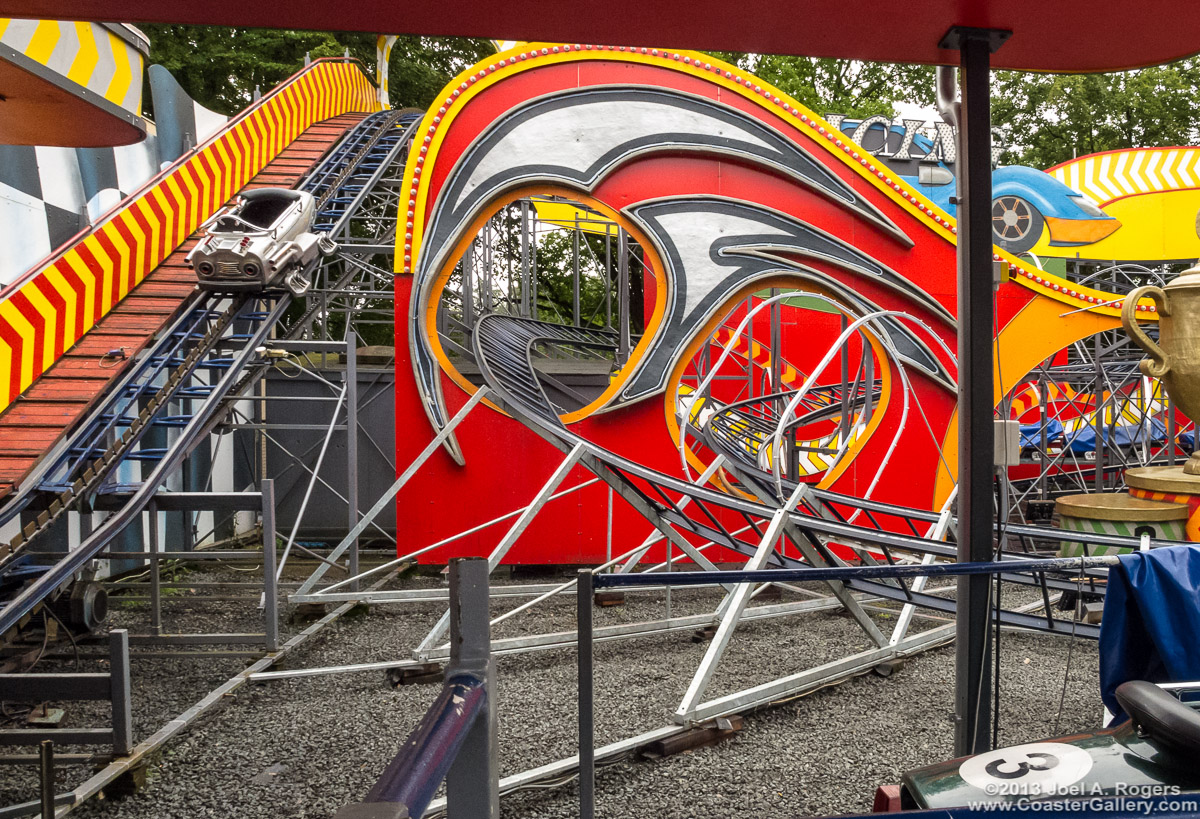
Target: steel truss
pixel 1093 414
pixel 149 446
pixel 809 530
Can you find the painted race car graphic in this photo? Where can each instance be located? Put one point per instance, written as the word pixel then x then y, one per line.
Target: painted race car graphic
pixel 1026 203
pixel 260 241
pixel 1154 192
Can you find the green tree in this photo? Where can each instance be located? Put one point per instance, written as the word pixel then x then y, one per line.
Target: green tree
pixel 220 67
pixel 1051 118
pixel 850 87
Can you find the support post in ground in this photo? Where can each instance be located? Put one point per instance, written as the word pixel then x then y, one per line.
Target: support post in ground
pixel 46 777
pixel 975 361
pixel 270 586
pixel 154 548
pixel 587 727
pixel 122 702
pixel 473 782
pixel 352 447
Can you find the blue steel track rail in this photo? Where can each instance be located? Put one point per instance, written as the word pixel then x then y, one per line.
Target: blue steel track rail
pixel 206 356
pixel 504 348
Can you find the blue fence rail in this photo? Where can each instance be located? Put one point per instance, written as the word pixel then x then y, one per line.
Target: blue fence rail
pixel 1059 564
pixel 589 581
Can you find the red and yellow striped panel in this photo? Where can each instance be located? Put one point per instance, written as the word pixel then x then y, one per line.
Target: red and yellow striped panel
pixel 51 309
pixel 1193 504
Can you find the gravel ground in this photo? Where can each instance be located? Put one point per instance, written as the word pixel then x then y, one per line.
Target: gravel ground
pixel 304 747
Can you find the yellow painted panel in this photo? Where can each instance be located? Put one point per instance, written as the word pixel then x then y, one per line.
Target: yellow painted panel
pixel 566 215
pixel 45 37
pixel 118 86
pixel 87 57
pixel 67 293
pixel 9 313
pixel 1153 226
pixel 51 319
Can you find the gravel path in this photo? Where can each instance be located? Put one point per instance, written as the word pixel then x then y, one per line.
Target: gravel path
pixel 304 747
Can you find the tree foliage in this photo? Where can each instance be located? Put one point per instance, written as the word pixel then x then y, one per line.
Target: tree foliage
pixel 850 87
pixel 220 67
pixel 1050 118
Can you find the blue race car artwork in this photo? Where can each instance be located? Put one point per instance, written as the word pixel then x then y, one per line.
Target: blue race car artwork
pixel 1025 201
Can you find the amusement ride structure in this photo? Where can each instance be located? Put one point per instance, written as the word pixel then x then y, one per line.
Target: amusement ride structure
pixel 650 314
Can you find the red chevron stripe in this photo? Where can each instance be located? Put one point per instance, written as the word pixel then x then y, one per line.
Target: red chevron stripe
pixel 158 219
pixel 77 287
pixel 254 135
pixel 51 294
pixel 189 207
pixel 211 192
pixel 133 270
pixel 89 261
pixel 30 313
pixel 151 229
pixel 13 339
pixel 114 257
pixel 244 151
pixel 232 178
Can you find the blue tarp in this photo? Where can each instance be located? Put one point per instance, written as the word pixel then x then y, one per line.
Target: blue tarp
pixel 1125 435
pixel 1031 434
pixel 1151 625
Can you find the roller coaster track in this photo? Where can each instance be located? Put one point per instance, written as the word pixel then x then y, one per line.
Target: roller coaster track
pixel 505 348
pixel 205 359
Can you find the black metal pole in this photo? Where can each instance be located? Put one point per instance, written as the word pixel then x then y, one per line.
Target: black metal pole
pixel 587 733
pixel 975 362
pixel 46 777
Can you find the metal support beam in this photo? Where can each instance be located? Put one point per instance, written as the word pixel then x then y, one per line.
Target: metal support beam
pixel 472 783
pixel 351 376
pixel 587 726
pixel 270 585
pixel 394 490
pixel 975 339
pixel 733 608
pixel 122 692
pixel 510 537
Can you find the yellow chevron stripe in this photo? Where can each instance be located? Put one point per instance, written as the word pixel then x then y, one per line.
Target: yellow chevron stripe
pixel 118 87
pixel 50 321
pixel 86 58
pixel 45 37
pixel 67 293
pixel 89 289
pixel 12 316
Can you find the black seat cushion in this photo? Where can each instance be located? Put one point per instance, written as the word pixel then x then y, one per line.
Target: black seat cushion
pixel 1164 720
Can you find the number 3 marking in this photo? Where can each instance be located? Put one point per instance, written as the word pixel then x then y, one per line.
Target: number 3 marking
pixel 1048 761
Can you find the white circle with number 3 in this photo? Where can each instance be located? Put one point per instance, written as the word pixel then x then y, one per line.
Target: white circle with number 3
pixel 1034 769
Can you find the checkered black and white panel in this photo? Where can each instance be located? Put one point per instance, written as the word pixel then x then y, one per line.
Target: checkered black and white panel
pixel 47 195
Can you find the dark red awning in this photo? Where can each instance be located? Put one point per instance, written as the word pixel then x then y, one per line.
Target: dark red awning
pixel 1051 35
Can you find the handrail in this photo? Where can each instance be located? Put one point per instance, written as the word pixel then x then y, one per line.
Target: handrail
pixel 1060 564
pixel 413 776
pixel 106 217
pixel 456 738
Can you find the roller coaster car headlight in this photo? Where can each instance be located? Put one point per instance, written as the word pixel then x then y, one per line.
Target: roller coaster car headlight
pixel 205 269
pixel 251 269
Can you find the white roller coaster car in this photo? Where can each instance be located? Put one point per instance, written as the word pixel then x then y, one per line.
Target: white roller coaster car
pixel 259 242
